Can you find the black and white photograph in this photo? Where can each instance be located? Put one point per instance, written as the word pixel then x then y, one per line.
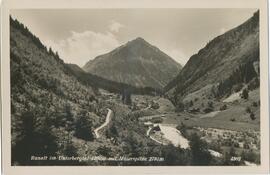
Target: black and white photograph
pixel 136 87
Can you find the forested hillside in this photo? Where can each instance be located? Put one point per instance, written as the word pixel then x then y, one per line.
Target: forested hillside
pixel 229 55
pixel 47 101
pixel 98 82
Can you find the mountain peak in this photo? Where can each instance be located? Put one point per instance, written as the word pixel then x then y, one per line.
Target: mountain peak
pixel 139 40
pixel 136 63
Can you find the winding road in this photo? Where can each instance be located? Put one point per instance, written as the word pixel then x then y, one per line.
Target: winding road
pixel 108 118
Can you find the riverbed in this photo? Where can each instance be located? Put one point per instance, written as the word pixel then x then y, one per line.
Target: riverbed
pixel 174 136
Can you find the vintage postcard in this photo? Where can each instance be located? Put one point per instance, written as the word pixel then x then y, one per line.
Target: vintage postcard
pixel 146 87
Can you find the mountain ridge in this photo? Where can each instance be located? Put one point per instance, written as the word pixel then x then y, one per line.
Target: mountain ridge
pixel 137 63
pixel 218 59
pixel 47 100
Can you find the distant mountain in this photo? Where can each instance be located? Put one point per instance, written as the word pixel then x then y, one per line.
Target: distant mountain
pixel 136 63
pixel 227 58
pixel 97 82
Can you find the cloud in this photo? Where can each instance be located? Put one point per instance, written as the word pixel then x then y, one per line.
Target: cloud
pixel 177 55
pixel 115 26
pixel 81 47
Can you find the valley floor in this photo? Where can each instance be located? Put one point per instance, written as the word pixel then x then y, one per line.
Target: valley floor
pixel 221 129
pixel 224 131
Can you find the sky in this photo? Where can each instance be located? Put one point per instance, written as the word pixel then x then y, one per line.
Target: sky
pixel 79 35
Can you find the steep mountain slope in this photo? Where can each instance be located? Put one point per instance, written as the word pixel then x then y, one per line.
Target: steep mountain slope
pixel 219 59
pixel 136 63
pixel 97 82
pixel 47 101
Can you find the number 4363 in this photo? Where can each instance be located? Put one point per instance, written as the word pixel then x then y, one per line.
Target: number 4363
pixel 235 158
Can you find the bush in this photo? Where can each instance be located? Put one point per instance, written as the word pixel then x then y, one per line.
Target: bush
pixel 232 119
pixel 248 110
pixel 245 94
pixel 252 116
pixel 180 107
pixel 237 87
pixel 112 131
pixel 254 104
pixel 175 156
pixel 250 156
pixel 199 151
pixel 36 139
pixel 246 145
pixel 210 104
pixel 183 129
pixel 236 144
pixel 207 110
pixel 104 151
pixel 157 120
pixel 154 105
pixel 254 83
pixel 215 145
pixel 83 127
pixel 70 149
pixel 194 110
pixel 224 107
pixel 190 103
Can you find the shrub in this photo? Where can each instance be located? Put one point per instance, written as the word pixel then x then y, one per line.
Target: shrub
pixel 248 110
pixel 236 145
pixel 70 149
pixel 194 110
pixel 157 120
pixel 36 139
pixel 254 104
pixel 210 104
pixel 254 83
pixel 252 116
pixel 250 156
pixel 215 145
pixel 207 110
pixel 183 129
pixel 180 107
pixel 237 87
pixel 224 107
pixel 83 127
pixel 154 105
pixel 246 145
pixel 112 131
pixel 232 119
pixel 104 151
pixel 199 151
pixel 190 103
pixel 175 156
pixel 245 94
